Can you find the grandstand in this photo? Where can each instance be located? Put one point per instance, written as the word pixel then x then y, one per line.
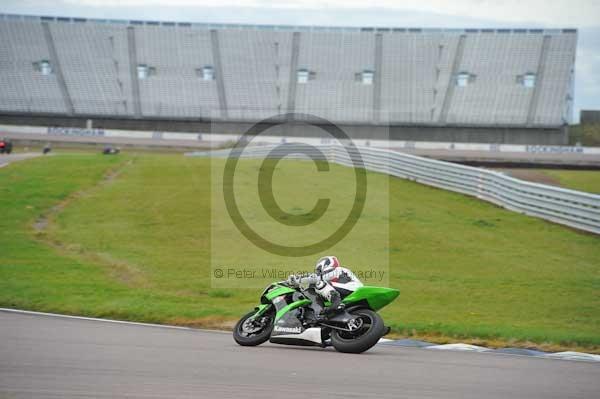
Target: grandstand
pixel 459 85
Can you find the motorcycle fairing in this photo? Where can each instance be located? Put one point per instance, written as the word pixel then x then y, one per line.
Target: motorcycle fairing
pixel 288 330
pixel 374 297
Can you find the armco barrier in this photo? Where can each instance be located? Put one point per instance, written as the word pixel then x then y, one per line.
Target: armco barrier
pixel 568 207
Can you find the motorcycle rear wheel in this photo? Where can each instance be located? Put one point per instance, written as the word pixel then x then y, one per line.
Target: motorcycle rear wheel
pixel 371 330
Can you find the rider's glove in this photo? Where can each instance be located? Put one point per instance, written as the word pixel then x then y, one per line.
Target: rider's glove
pixel 310 279
pixel 293 280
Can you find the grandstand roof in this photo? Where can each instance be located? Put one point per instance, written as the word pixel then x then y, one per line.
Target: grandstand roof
pixel 299 28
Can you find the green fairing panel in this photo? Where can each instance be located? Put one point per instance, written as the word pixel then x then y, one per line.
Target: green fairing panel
pixel 376 297
pixel 260 309
pixel 281 290
pixel 291 306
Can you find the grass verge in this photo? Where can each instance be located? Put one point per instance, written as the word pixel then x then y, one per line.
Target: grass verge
pixel 128 238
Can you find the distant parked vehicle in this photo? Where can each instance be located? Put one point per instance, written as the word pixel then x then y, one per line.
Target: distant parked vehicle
pixel 5 146
pixel 111 150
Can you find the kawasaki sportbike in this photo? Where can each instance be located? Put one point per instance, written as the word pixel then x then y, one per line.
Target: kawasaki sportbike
pixel 292 316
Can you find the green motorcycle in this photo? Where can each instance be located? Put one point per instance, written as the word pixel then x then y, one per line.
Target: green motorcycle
pixel 292 316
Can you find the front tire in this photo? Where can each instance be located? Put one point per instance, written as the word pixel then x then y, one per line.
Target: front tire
pixel 371 330
pixel 245 337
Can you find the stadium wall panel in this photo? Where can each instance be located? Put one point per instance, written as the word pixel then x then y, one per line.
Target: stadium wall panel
pixel 457 134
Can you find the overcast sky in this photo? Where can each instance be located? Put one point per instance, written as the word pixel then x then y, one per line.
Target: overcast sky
pixel 581 14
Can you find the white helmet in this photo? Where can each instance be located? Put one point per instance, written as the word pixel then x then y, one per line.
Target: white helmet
pixel 326 265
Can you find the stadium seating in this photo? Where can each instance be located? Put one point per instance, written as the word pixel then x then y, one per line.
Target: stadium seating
pixel 256 71
pixel 557 82
pixel 495 62
pixel 24 88
pixel 335 93
pixel 95 63
pixel 416 69
pixel 176 89
pixel 425 77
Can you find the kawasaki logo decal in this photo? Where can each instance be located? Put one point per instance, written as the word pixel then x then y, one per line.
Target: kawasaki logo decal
pixel 296 330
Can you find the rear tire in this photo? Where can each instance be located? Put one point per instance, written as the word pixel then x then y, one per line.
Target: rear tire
pixel 252 339
pixel 344 341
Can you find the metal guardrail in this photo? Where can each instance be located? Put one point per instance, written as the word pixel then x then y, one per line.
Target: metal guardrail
pixel 568 207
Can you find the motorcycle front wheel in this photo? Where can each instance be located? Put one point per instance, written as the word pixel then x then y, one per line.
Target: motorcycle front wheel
pixel 253 332
pixel 367 328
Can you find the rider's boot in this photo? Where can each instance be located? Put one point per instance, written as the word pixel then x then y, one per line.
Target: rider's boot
pixel 336 305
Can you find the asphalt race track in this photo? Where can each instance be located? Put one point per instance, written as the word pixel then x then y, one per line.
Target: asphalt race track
pixel 53 357
pixel 5 159
pixel 472 156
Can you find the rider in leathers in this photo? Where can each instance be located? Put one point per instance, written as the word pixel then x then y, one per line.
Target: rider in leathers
pixel 330 281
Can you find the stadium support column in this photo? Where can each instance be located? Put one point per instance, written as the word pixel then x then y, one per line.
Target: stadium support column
pixel 135 84
pixel 535 97
pixel 55 62
pixel 460 48
pixel 377 78
pixel 291 101
pixel 216 53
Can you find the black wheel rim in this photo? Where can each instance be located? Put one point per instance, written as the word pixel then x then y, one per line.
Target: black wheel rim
pixel 367 324
pixel 259 326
